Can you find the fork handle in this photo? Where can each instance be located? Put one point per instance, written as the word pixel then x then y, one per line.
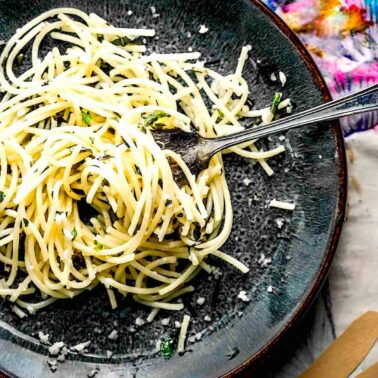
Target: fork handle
pixel 359 102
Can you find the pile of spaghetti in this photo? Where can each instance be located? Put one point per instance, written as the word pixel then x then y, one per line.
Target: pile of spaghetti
pixel 77 127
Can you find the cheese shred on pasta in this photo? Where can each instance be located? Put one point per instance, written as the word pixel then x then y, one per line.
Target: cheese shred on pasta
pixel 76 132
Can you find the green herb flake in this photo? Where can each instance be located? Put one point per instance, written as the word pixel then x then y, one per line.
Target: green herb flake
pixel 20 58
pixel 86 117
pixel 100 37
pixel 167 347
pixel 275 102
pixel 143 129
pixel 168 202
pixel 123 41
pixel 150 120
pixel 220 115
pixel 73 234
pixel 98 246
pixel 2 196
pixel 25 221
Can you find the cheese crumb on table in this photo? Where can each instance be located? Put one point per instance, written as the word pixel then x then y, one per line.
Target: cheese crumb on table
pixel 80 348
pixel 55 348
pixel 44 338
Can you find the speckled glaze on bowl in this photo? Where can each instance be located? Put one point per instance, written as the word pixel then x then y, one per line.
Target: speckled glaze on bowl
pixel 312 173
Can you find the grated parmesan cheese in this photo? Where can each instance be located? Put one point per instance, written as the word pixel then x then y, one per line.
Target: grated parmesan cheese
pixel 282 78
pixel 279 222
pixel 165 321
pixel 93 372
pixel 43 338
pixel 243 296
pixel 177 324
pixel 80 348
pixel 52 365
pixel 139 322
pixel 203 29
pixel 264 261
pixel 113 335
pixel 246 181
pixel 282 205
pixel 56 348
pixel 200 301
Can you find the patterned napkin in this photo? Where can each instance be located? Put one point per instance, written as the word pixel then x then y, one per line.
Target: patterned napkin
pixel 342 37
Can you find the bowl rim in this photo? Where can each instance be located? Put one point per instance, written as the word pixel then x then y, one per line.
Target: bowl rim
pixel 325 265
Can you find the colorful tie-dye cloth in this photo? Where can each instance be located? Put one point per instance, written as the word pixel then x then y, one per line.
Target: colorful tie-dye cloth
pixel 342 36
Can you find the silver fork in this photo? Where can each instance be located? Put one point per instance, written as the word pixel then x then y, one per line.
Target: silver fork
pixel 196 150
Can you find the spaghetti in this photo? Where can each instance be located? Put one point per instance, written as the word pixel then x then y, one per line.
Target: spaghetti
pixel 77 128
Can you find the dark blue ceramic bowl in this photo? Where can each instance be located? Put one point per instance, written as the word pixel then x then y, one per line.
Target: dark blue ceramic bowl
pixel 312 173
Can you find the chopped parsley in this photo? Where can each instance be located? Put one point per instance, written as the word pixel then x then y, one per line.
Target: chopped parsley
pixel 150 120
pixel 2 196
pixel 167 347
pixel 123 41
pixel 73 234
pixel 220 115
pixel 168 202
pixel 275 102
pixel 100 37
pixel 86 117
pixel 20 58
pixel 142 128
pixel 25 221
pixel 98 246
